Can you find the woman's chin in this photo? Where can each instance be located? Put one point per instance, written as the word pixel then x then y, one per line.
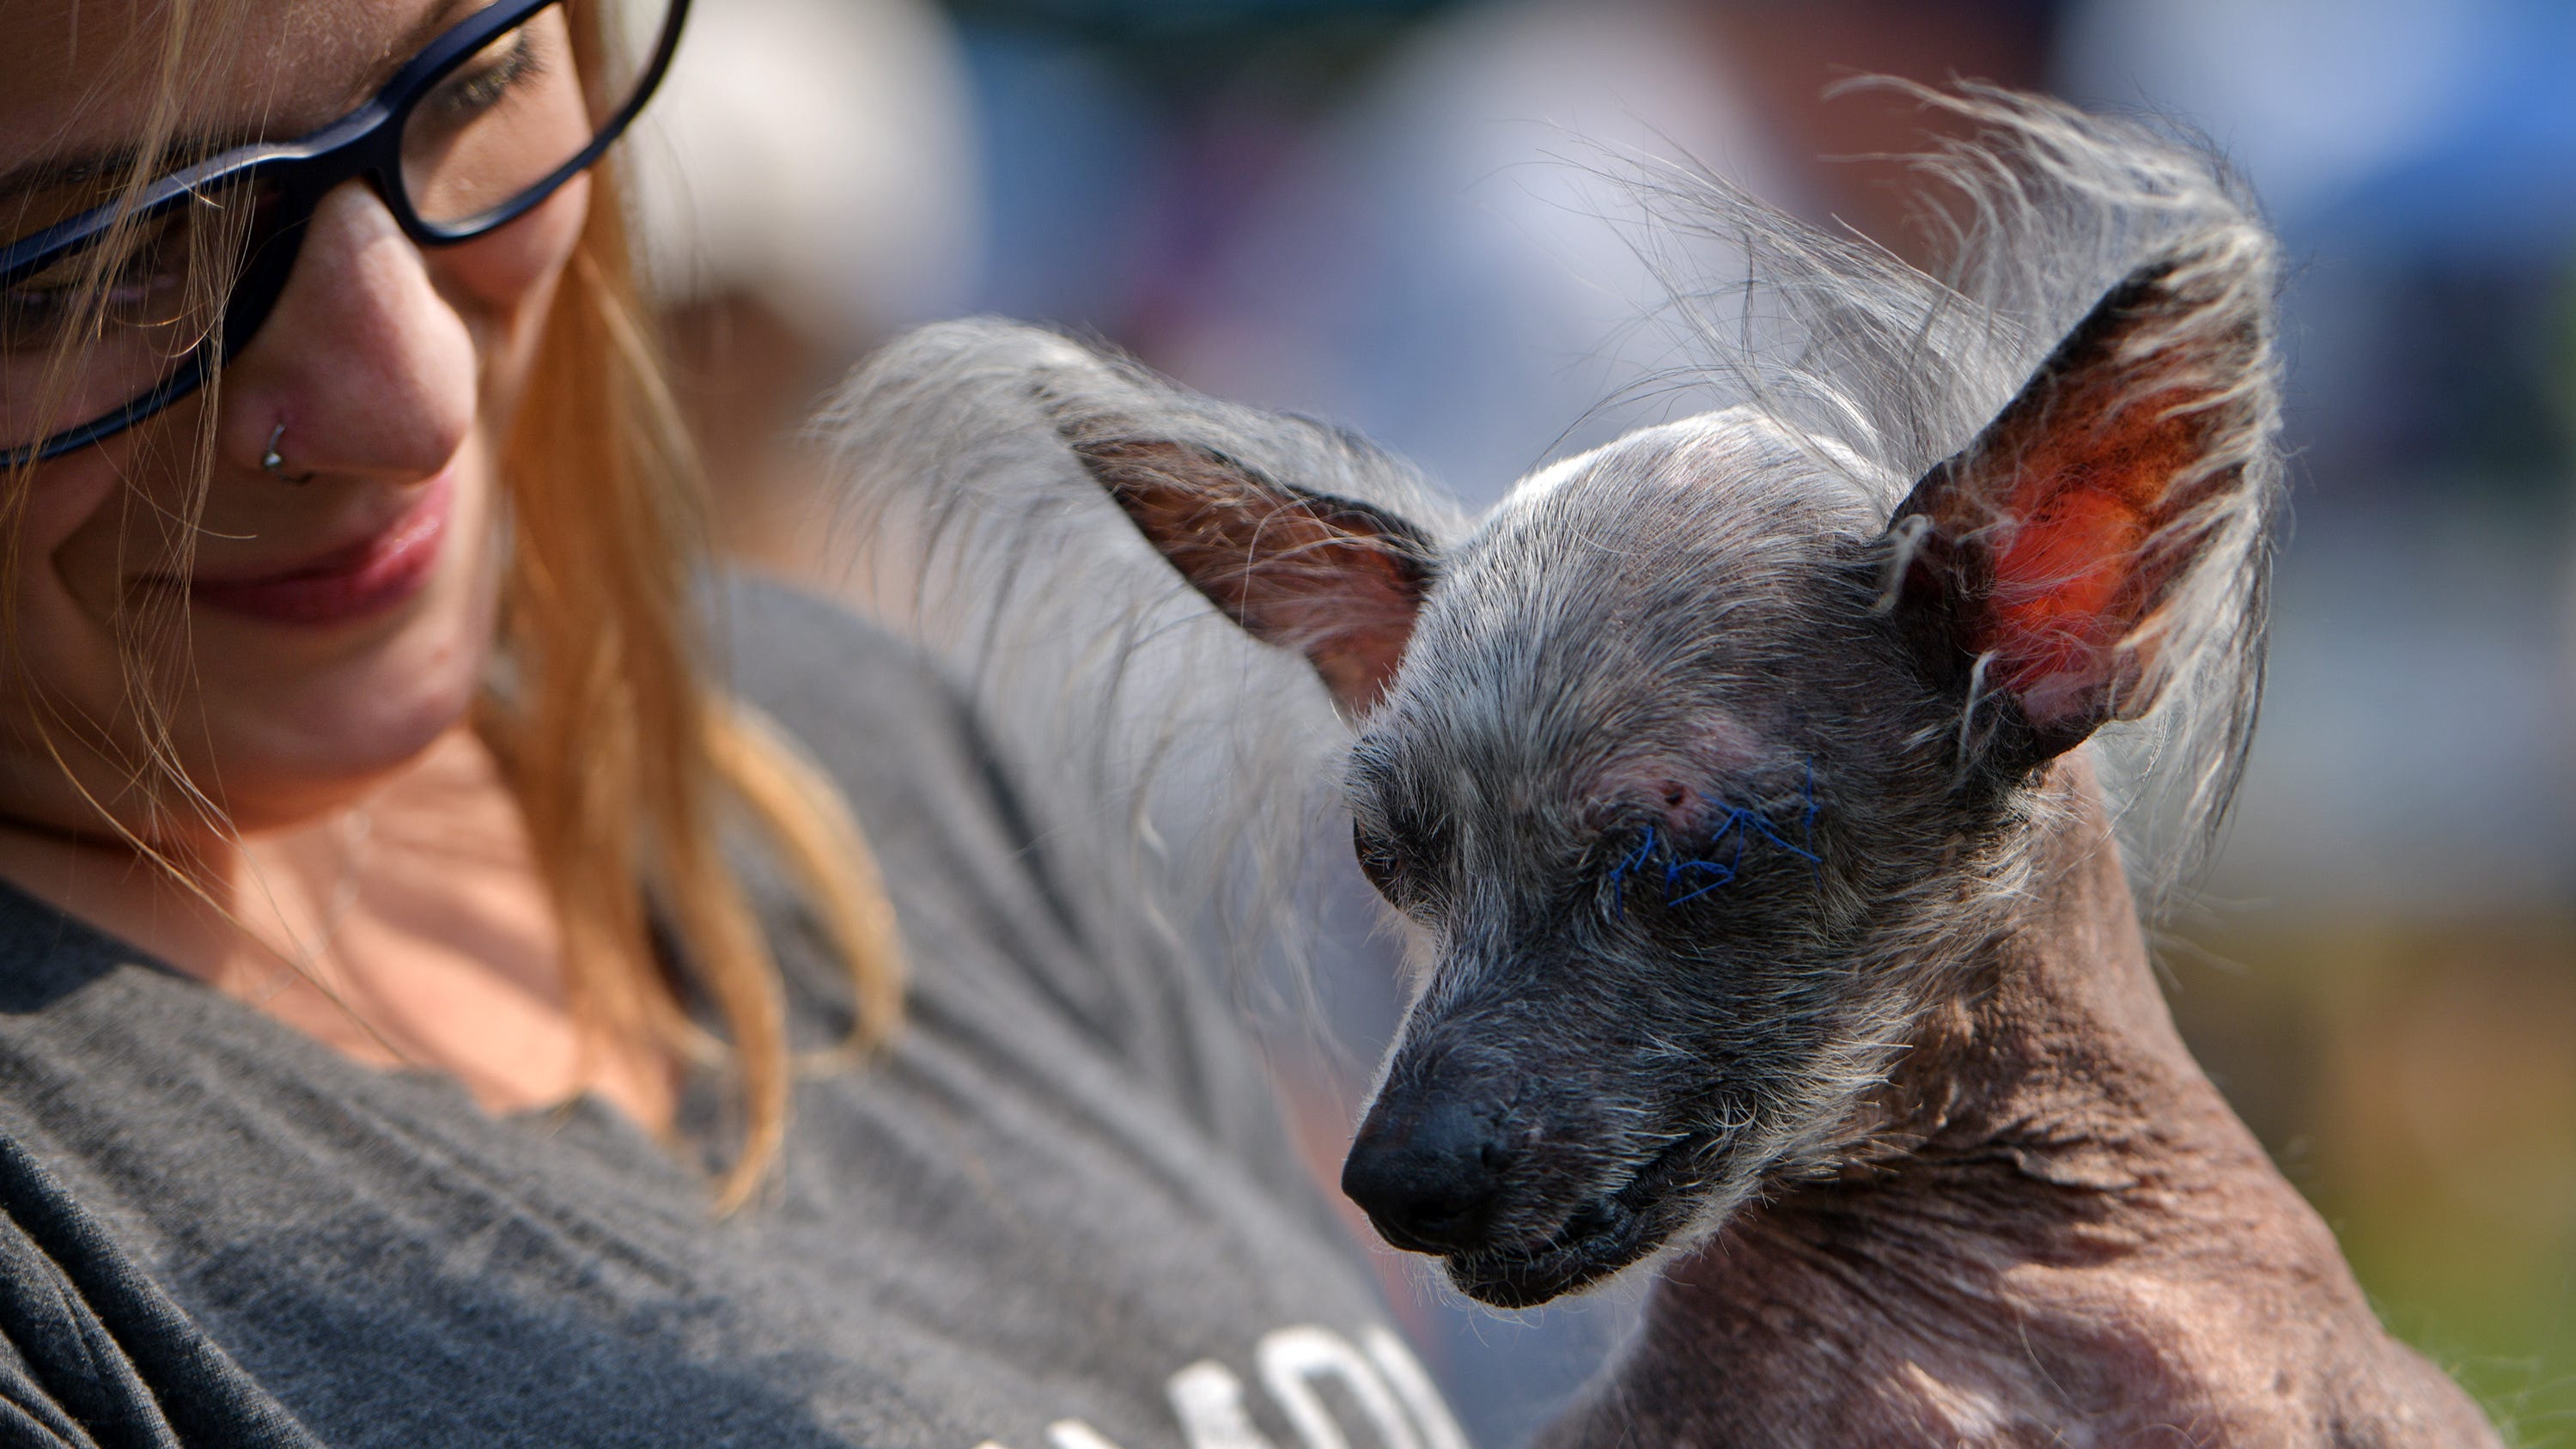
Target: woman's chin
pixel 297 736
pixel 294 772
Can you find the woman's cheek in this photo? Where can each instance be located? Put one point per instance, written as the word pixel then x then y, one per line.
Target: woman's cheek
pixel 64 584
pixel 68 541
pixel 500 273
pixel 503 285
pixel 62 496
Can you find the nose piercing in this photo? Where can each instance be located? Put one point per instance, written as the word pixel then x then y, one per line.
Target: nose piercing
pixel 275 462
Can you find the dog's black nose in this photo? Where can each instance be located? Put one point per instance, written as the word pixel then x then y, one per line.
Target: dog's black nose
pixel 1429 1170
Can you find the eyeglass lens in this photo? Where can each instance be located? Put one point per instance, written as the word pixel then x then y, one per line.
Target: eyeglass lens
pixel 93 332
pixel 516 111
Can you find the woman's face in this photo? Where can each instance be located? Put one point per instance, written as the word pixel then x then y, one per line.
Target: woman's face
pixel 333 627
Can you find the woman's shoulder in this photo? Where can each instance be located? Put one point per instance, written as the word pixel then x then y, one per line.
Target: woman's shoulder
pixel 978 889
pixel 1028 921
pixel 822 669
pixel 871 711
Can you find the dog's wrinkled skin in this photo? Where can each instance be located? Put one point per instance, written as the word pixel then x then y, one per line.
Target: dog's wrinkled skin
pixel 1732 781
pixel 2083 1245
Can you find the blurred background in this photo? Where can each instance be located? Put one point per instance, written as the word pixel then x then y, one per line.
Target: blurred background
pixel 1388 213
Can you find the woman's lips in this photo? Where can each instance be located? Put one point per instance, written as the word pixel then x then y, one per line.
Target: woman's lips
pixel 367 577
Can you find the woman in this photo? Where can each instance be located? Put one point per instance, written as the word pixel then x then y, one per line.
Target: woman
pixel 422 952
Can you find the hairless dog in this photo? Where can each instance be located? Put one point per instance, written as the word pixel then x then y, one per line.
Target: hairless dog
pixel 1733 783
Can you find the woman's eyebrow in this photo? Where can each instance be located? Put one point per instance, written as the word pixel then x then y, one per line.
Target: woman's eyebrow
pixel 114 162
pixel 441 19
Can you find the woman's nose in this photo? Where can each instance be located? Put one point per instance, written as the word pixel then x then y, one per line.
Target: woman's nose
pixel 371 370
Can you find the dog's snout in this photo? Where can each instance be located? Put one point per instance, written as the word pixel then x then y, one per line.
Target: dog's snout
pixel 1429 1168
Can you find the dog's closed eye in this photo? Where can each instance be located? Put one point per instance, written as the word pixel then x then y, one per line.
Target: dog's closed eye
pixel 1380 862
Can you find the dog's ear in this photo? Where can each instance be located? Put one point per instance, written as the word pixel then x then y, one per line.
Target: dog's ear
pixel 2043 567
pixel 1336 579
pixel 982 450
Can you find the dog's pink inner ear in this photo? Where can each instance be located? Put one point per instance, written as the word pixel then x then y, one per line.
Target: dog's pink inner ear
pixel 2056 537
pixel 1335 579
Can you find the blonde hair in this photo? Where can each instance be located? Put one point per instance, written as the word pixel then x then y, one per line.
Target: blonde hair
pixel 619 746
pixel 626 756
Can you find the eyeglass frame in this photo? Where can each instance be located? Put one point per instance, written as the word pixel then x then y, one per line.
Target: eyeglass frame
pixel 367 142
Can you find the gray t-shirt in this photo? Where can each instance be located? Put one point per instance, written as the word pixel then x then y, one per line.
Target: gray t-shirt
pixel 1060 1214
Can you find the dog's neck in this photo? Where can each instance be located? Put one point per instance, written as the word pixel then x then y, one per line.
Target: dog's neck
pixel 2080 1244
pixel 2057 1054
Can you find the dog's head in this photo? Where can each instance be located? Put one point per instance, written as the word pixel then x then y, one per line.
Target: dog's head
pixel 1690 762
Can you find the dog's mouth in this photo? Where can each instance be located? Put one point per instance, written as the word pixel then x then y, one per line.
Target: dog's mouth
pixel 1598 1239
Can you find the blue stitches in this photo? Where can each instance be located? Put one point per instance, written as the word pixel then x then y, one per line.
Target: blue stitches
pixel 1815 862
pixel 1723 871
pixel 1686 880
pixel 1619 873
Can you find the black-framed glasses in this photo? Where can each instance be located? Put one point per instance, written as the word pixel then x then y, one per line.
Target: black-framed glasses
pixel 114 307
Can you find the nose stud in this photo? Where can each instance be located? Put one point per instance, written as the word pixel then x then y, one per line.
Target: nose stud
pixel 275 461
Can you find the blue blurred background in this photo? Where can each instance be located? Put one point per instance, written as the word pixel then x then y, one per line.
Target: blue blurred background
pixel 1388 213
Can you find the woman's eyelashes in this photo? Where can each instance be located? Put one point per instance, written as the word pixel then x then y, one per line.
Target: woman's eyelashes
pixel 490 79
